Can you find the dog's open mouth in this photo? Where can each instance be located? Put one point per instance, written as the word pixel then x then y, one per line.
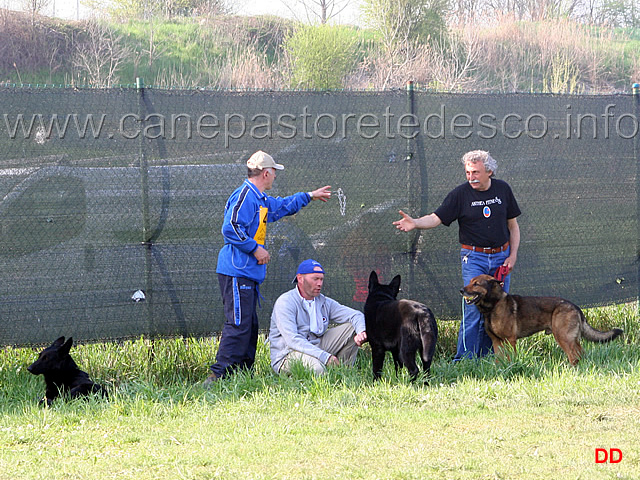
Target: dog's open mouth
pixel 471 299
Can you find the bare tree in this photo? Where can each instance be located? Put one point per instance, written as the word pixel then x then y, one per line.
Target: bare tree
pixel 445 65
pixel 590 11
pixel 536 10
pixel 210 8
pixel 465 12
pixel 515 8
pixel 393 24
pixel 402 23
pixel 34 7
pixel 318 10
pixel 454 59
pixel 548 9
pixel 99 56
pixel 620 13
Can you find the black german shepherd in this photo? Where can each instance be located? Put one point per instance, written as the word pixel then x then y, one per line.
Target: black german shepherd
pixel 61 374
pixel 402 327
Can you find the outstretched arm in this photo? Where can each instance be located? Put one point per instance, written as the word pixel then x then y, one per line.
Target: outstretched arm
pixel 406 223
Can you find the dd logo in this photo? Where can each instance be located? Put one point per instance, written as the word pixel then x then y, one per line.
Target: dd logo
pixel 613 455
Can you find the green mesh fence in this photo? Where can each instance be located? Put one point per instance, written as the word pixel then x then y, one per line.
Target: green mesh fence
pixel 105 193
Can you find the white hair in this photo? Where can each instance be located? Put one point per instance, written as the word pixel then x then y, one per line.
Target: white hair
pixel 488 161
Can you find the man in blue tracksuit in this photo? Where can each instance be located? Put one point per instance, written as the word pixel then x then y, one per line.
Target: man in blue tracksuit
pixel 242 261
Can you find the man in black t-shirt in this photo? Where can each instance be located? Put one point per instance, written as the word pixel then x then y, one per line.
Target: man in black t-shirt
pixel 486 211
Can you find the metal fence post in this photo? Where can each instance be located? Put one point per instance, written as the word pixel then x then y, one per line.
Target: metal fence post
pixel 144 192
pixel 144 167
pixel 411 182
pixel 636 153
pixel 417 182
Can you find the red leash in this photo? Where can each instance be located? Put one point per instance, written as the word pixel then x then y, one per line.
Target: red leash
pixel 501 272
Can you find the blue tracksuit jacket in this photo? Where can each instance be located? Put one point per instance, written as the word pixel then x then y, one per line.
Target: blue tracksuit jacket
pixel 244 228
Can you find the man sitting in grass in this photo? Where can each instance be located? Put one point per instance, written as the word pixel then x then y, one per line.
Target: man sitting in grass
pixel 300 325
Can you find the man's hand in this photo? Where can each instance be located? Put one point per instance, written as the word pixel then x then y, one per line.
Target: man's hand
pixel 510 262
pixel 323 193
pixel 333 360
pixel 360 338
pixel 406 223
pixel 261 255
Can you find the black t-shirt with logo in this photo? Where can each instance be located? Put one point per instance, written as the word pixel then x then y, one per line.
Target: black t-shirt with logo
pixel 482 216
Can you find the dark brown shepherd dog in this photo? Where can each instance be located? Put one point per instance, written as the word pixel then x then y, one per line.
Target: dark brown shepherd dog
pixel 509 317
pixel 403 327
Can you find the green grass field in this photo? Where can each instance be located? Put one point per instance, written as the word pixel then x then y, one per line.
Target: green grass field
pixel 533 418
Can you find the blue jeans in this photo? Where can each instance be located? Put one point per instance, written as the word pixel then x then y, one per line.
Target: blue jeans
pixel 473 341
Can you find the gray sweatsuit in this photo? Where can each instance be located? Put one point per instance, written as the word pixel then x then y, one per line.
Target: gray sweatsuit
pixel 290 326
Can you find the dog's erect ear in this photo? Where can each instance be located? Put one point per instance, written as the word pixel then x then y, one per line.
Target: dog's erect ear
pixel 373 280
pixel 66 348
pixel 395 283
pixel 58 342
pixel 497 283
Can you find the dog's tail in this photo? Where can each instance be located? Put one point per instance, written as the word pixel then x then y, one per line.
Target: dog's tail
pixel 428 334
pixel 593 335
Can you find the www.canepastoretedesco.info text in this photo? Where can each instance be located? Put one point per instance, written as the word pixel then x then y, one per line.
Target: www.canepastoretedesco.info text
pixel 309 125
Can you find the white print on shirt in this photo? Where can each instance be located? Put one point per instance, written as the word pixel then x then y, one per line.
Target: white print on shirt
pixel 482 203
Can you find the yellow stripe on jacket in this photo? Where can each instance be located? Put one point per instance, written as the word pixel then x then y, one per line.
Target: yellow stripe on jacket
pixel 261 233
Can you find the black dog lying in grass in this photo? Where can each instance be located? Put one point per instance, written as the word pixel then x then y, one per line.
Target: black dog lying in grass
pixel 402 327
pixel 61 374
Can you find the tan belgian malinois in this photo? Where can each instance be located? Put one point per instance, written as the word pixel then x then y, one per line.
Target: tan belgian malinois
pixel 509 317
